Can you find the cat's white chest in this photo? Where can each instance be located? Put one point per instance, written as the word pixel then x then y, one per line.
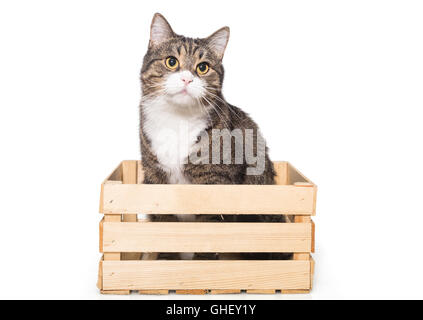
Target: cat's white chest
pixel 172 136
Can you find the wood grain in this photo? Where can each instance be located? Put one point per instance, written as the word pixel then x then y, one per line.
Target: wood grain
pixel 111 218
pixel 195 291
pixel 311 272
pixel 206 237
pixel 211 199
pixel 303 255
pixel 223 291
pixel 261 291
pixel 100 275
pixel 281 169
pixel 116 292
pixel 140 173
pixel 101 235
pixel 207 199
pixel 180 275
pixel 294 291
pixel 155 292
pixel 129 176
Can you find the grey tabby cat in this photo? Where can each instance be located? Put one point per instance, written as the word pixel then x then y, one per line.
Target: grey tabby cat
pixel 182 92
pixel 182 87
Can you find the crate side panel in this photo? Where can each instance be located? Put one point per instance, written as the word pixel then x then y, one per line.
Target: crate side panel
pixel 116 175
pixel 281 169
pixel 206 237
pixel 129 171
pixel 207 199
pixel 140 172
pixel 259 274
pixel 129 176
pixel 294 175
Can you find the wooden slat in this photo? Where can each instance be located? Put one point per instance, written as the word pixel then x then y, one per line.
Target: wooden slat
pixel 101 235
pixel 180 275
pixel 293 291
pixel 156 292
pixel 129 176
pixel 140 173
pixel 223 291
pixel 281 169
pixel 261 291
pixel 112 218
pixel 296 178
pixel 311 272
pixel 303 255
pixel 114 256
pixel 147 255
pixel 101 208
pixel 100 274
pixel 207 199
pixel 116 292
pixel 129 171
pixel 206 237
pixel 303 184
pixel 196 291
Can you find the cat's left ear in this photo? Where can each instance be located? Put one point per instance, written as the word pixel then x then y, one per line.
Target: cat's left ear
pixel 218 41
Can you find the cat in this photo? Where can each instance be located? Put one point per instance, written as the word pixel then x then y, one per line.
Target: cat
pixel 182 106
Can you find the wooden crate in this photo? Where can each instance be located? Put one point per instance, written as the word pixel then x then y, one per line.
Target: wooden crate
pixel 128 245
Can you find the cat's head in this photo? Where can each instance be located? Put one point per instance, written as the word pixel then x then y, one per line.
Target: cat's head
pixel 183 70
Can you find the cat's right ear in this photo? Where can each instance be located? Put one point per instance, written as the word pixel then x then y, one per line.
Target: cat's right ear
pixel 218 41
pixel 160 30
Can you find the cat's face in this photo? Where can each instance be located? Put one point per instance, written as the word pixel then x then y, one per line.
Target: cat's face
pixel 186 72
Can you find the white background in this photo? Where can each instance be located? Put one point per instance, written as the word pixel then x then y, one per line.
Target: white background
pixel 336 87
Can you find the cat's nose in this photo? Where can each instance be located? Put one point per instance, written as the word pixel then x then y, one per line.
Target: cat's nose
pixel 186 80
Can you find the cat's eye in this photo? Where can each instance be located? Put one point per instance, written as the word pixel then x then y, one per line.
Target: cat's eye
pixel 202 68
pixel 172 63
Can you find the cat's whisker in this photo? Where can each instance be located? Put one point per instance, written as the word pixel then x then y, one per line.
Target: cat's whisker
pixel 205 110
pixel 224 102
pixel 221 115
pixel 154 94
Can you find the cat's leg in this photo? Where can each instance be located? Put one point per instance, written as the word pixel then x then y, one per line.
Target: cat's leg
pixel 230 256
pixel 186 217
pixel 152 172
pixel 186 255
pixel 155 175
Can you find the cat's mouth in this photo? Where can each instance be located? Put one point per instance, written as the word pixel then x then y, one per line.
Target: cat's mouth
pixel 184 93
pixel 183 97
